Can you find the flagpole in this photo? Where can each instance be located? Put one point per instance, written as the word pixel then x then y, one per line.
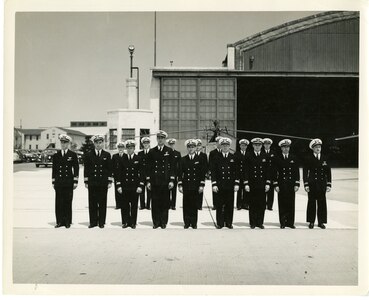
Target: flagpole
pixel 154 39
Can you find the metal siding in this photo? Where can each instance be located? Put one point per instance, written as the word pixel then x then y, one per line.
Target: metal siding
pixel 328 48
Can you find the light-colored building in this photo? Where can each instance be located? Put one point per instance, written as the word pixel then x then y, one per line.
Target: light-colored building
pixel 42 138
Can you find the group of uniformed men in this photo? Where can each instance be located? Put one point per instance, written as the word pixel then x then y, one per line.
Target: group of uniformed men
pixel 253 174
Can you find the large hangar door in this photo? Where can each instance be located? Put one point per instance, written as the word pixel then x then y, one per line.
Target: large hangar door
pixel 325 107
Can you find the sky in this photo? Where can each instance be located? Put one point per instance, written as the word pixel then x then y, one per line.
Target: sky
pixel 73 66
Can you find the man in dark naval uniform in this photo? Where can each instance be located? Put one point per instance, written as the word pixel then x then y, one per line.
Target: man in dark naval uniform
pixel 117 157
pixel 98 178
pixel 286 184
pixel 204 161
pixel 213 156
pixel 225 182
pixel 270 154
pixel 242 199
pixel 317 181
pixel 177 158
pixel 160 179
pixel 143 155
pixel 257 183
pixel 131 184
pixel 191 182
pixel 65 174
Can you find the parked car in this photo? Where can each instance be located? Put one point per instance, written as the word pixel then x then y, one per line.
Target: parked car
pixel 46 157
pixel 16 157
pixel 80 156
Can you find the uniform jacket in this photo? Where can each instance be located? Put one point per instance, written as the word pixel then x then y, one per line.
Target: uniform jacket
pixel 176 158
pixel 115 160
pixel 204 160
pixel 160 166
pixel 65 170
pixel 317 173
pixel 98 170
pixel 191 173
pixel 287 171
pixel 213 155
pixel 271 157
pixel 143 157
pixel 225 172
pixel 242 164
pixel 256 173
pixel 130 175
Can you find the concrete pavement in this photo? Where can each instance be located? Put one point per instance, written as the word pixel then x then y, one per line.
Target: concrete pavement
pixel 240 256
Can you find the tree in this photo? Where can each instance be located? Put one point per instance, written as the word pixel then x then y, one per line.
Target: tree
pixel 87 146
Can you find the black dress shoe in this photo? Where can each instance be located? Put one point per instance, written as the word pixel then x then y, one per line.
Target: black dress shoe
pixel 283 227
pixel 141 208
pixel 194 226
pixel 133 226
pixel 311 225
pixel 67 225
pixel 292 226
pixel 148 207
pixel 163 226
pixel 247 208
pixel 101 226
pixel 252 226
pixel 213 208
pixel 186 226
pixel 58 225
pixel 261 226
pixel 173 208
pixel 200 208
pixel 92 225
pixel 322 226
pixel 229 226
pixel 238 208
pixel 269 208
pixel 219 227
pixel 125 225
pixel 155 226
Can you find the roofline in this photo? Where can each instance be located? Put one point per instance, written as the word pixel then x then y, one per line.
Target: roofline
pixel 293 27
pixel 167 72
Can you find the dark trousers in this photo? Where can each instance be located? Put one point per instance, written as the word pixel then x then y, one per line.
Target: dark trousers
pixel 129 207
pixel 160 205
pixel 97 197
pixel 316 198
pixel 242 198
pixel 200 199
pixel 148 198
pixel 118 197
pixel 270 198
pixel 173 195
pixel 63 205
pixel 215 200
pixel 190 207
pixel 257 206
pixel 286 205
pixel 225 202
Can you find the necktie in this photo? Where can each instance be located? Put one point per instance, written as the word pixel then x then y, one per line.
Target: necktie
pixel 99 153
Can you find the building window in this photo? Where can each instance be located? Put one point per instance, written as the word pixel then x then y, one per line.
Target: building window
pixel 36 137
pixel 112 138
pixel 36 147
pixel 128 134
pixel 30 137
pixel 29 147
pixel 47 136
pixel 191 104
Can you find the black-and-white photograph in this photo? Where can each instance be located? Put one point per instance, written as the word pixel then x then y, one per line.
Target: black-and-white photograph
pixel 185 148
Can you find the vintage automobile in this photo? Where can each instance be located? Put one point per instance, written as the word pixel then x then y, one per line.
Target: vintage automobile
pixel 16 157
pixel 46 157
pixel 80 156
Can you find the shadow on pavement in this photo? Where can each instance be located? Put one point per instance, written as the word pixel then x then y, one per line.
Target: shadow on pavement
pixel 52 224
pixel 85 223
pixel 241 224
pixel 272 224
pixel 145 223
pixel 177 224
pixel 210 224
pixel 119 224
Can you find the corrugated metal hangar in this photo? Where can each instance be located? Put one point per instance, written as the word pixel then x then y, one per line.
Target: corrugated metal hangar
pixel 300 79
